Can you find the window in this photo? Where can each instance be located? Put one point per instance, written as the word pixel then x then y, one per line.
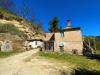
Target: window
pixel 35 42
pixel 61 48
pixel 62 34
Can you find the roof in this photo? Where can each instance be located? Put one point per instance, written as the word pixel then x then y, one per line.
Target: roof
pixel 49 36
pixel 71 29
pixel 36 38
pixel 66 29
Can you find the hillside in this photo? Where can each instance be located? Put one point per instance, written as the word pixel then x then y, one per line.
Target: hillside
pixel 18 22
pixel 15 26
pixel 16 29
pixel 8 19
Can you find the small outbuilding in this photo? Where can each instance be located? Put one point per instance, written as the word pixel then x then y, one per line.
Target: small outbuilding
pixel 35 43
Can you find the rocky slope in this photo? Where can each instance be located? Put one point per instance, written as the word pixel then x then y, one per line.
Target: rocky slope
pixel 20 23
pixel 16 29
pixel 21 26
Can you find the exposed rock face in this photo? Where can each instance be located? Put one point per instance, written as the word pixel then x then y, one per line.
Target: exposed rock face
pixel 19 45
pixel 6 46
pixel 16 42
pixel 22 26
pixel 26 30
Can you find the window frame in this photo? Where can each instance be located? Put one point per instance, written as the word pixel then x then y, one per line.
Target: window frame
pixel 62 34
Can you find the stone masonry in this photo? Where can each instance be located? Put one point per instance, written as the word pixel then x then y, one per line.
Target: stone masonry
pixel 69 40
pixel 72 40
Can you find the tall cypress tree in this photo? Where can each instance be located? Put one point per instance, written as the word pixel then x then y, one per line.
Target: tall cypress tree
pixel 54 26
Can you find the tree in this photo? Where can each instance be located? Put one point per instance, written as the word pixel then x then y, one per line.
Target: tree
pixel 60 29
pixel 27 11
pixel 54 27
pixel 6 4
pixel 39 28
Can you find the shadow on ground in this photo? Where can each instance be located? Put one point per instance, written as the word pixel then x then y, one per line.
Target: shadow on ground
pixel 86 72
pixel 94 56
pixel 81 72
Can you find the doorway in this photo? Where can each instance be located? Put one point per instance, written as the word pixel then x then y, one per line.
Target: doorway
pixel 61 48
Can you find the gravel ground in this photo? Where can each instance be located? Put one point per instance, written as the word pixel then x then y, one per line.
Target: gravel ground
pixel 29 64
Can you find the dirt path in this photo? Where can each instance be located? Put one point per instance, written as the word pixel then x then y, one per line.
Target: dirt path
pixel 28 64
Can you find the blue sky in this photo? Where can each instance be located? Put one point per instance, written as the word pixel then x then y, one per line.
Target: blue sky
pixel 82 13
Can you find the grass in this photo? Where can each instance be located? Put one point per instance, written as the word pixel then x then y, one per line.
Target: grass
pixel 6 54
pixel 10 28
pixel 9 16
pixel 98 52
pixel 82 63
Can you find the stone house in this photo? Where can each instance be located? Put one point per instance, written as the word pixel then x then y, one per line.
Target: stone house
pixel 68 40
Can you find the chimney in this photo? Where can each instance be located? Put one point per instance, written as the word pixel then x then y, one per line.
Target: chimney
pixel 69 24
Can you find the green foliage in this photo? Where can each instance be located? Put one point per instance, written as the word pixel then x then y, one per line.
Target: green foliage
pixel 54 25
pixel 93 39
pixel 80 61
pixel 9 16
pixel 9 28
pixel 98 42
pixel 38 28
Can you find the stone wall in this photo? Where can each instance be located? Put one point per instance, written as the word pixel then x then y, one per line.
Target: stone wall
pixel 72 40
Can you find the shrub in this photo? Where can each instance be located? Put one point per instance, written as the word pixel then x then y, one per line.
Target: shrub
pixel 9 28
pixel 9 16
